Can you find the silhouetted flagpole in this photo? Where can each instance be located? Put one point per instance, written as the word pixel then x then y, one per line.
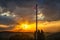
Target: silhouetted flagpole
pixel 36 20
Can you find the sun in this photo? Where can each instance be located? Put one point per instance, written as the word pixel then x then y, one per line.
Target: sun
pixel 25 26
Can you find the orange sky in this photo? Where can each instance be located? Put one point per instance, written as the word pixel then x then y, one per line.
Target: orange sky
pixel 53 26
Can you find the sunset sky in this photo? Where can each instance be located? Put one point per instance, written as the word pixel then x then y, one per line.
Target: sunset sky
pixel 20 15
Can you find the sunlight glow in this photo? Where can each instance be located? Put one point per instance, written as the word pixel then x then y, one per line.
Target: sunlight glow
pixel 25 26
pixel 45 26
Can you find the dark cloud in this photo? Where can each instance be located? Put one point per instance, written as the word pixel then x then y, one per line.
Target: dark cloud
pixel 22 8
pixel 51 9
pixel 6 20
pixel 11 4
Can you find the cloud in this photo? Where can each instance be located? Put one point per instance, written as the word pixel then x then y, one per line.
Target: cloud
pixel 7 28
pixel 6 20
pixel 50 8
pixel 23 8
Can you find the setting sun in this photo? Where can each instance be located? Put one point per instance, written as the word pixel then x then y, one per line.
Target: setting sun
pixel 25 26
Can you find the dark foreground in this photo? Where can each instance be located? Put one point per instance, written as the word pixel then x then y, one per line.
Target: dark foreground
pixel 16 35
pixel 28 36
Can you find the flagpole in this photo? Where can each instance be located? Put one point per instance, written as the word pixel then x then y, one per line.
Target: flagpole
pixel 36 20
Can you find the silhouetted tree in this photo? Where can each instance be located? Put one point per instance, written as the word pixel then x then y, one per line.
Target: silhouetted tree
pixel 40 35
